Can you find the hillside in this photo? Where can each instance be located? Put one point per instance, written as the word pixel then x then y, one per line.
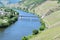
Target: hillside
pixel 49 11
pixel 53 33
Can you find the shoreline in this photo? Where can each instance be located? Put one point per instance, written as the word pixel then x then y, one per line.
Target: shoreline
pixel 41 21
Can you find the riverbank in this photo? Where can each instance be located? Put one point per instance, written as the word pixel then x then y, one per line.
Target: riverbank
pixel 36 31
pixel 42 27
pixel 7 17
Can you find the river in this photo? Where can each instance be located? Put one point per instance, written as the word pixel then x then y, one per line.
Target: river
pixel 23 27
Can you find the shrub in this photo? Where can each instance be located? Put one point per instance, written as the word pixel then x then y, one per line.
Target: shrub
pixel 35 32
pixel 58 1
pixel 24 38
pixel 5 25
pixel 42 27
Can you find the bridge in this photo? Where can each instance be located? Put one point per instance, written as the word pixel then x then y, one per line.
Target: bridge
pixel 30 18
pixel 26 16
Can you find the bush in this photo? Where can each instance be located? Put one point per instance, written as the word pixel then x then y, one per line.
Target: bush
pixel 24 38
pixel 35 32
pixel 42 27
pixel 5 25
pixel 58 1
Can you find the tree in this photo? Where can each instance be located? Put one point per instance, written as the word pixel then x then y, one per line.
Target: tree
pixel 35 32
pixel 24 38
pixel 58 1
pixel 9 17
pixel 42 27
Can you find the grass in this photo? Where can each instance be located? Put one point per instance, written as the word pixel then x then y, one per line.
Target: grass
pixel 49 34
pixel 53 18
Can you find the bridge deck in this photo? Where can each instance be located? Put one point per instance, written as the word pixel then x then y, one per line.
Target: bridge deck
pixel 26 16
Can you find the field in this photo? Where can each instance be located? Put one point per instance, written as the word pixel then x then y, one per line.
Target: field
pixel 53 18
